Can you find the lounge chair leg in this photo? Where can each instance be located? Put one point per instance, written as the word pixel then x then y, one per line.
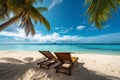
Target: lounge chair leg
pixel 56 70
pixel 40 66
pixel 37 63
pixel 69 71
pixel 48 60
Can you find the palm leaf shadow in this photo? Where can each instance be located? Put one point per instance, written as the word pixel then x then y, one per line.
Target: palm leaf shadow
pixel 10 71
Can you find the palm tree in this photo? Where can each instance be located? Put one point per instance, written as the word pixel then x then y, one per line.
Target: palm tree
pixel 24 11
pixel 3 10
pixel 99 11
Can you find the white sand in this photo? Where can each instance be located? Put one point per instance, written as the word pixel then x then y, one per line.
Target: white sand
pixel 16 65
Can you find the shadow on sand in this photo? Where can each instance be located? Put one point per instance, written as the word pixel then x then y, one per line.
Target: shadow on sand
pixel 16 69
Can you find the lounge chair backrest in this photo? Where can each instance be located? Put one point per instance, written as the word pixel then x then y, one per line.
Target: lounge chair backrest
pixel 64 57
pixel 48 54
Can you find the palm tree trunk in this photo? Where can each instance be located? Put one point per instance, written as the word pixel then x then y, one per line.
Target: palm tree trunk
pixel 12 20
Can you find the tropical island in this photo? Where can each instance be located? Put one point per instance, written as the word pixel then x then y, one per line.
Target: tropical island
pixel 44 39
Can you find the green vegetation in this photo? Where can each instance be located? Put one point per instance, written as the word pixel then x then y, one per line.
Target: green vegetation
pixel 24 11
pixel 99 11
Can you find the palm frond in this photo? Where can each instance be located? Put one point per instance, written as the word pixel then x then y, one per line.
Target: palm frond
pixel 31 1
pixel 36 16
pixel 99 11
pixel 24 10
pixel 42 9
pixel 32 28
pixel 16 6
pixel 41 1
pixel 27 25
pixel 43 20
pixel 3 10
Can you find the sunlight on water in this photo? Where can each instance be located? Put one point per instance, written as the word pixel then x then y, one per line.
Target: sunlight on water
pixel 99 49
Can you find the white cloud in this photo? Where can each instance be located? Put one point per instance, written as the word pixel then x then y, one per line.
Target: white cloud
pixel 53 3
pixel 18 33
pixel 106 38
pixel 63 30
pixel 19 36
pixel 57 28
pixel 55 37
pixel 80 27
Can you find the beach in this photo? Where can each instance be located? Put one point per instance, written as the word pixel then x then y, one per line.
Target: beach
pixel 22 65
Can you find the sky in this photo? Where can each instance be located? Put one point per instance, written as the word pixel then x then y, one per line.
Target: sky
pixel 69 24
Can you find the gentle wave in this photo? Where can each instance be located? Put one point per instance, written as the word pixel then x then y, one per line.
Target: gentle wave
pixel 102 49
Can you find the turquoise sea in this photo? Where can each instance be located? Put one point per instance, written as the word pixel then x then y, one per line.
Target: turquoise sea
pixel 79 48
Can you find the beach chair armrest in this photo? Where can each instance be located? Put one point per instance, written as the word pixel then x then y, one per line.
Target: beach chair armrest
pixel 42 62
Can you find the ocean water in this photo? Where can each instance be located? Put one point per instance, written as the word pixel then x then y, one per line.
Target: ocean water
pixel 75 48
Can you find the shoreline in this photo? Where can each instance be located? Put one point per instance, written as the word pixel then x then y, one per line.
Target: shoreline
pixel 21 65
pixel 94 53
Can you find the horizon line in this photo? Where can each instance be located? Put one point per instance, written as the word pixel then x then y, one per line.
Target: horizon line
pixel 66 43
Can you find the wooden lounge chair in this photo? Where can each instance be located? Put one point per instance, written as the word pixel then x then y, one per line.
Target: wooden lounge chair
pixel 66 62
pixel 51 59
